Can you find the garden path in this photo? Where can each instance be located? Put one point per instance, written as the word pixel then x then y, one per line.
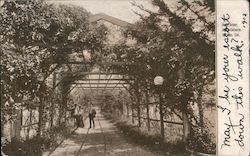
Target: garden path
pixel 104 140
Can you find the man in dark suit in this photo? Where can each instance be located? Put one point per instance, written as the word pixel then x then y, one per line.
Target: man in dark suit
pixel 92 114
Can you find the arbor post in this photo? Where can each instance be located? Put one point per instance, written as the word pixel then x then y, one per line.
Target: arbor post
pixel 40 122
pixel 64 102
pixel 158 81
pixel 132 109
pixel 53 104
pixel 186 125
pixel 17 125
pixel 30 122
pixel 147 106
pixel 65 109
pixel 127 109
pixel 132 106
pixel 60 112
pixel 123 108
pixel 2 109
pixel 138 105
pixel 161 115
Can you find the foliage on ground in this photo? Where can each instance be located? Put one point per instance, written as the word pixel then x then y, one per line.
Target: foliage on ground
pixel 36 145
pixel 200 140
pixel 150 141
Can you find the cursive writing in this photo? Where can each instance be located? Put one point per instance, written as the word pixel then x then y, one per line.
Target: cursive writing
pixel 226 70
pixel 232 80
pixel 224 109
pixel 227 133
pixel 240 138
pixel 230 127
pixel 226 95
pixel 237 48
pixel 239 97
pixel 244 21
pixel 226 31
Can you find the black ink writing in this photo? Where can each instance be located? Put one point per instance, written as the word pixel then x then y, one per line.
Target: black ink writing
pixel 244 20
pixel 226 30
pixel 224 109
pixel 238 53
pixel 227 133
pixel 239 97
pixel 241 131
pixel 226 93
pixel 226 70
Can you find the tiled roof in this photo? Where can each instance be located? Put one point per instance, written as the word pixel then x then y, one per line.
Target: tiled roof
pixel 113 20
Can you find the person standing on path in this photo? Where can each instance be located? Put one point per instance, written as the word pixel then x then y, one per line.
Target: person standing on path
pixel 92 114
pixel 81 123
pixel 77 115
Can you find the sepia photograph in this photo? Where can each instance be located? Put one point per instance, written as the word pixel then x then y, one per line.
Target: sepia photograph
pixel 108 78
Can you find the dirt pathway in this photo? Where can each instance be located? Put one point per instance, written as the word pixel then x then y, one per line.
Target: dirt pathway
pixel 104 140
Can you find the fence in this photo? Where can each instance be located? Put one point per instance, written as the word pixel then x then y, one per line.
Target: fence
pixel 23 123
pixel 172 123
pixel 173 130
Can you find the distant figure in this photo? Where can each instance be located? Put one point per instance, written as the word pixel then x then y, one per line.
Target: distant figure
pixel 92 114
pixel 77 115
pixel 81 123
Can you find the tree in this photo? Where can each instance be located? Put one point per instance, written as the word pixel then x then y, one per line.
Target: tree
pixel 168 42
pixel 35 39
pixel 178 44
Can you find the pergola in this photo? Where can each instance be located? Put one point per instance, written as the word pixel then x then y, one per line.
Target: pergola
pixel 97 80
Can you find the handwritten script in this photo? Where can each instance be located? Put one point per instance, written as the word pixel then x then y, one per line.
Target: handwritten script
pixel 233 93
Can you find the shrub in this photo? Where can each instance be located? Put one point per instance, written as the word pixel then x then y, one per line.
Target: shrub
pixel 200 140
pixel 35 146
pixel 24 148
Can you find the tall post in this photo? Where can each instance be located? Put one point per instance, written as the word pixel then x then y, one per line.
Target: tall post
pixel 158 81
pixel 2 108
pixel 132 109
pixel 64 101
pixel 30 122
pixel 138 105
pixel 127 109
pixel 17 125
pixel 60 111
pixel 53 104
pixel 63 105
pixel 40 122
pixel 161 116
pixel 186 125
pixel 132 105
pixel 123 110
pixel 147 107
pixel 52 113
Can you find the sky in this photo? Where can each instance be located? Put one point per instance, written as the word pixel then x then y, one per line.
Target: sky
pixel 122 9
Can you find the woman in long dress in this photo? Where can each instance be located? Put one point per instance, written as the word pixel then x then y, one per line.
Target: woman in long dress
pixel 81 118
